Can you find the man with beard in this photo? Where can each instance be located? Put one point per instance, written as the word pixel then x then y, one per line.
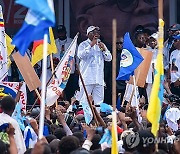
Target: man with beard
pixel 92 54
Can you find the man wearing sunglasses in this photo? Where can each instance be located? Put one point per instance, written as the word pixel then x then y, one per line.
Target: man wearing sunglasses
pixel 92 54
pixel 120 84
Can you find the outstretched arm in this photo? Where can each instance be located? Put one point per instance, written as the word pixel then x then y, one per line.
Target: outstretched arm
pixel 19 92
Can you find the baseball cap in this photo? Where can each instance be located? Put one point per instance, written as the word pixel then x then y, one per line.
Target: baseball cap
pixel 61 28
pixel 91 28
pixel 175 27
pixel 139 28
pixel 155 35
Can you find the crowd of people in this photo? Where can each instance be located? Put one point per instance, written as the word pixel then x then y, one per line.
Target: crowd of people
pixel 66 130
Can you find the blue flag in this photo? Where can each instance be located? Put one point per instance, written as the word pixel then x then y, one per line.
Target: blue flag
pixel 106 137
pixel 87 112
pixel 39 18
pixel 130 59
pixel 106 108
pixel 177 37
pixel 27 138
pixel 118 104
pixel 18 117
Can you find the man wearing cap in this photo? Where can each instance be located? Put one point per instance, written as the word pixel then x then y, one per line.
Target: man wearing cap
pixel 62 43
pixel 175 67
pixel 92 54
pixel 168 45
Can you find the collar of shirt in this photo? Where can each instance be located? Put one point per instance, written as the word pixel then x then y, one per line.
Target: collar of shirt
pixel 89 41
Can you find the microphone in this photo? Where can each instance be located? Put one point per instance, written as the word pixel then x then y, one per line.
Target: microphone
pixel 99 41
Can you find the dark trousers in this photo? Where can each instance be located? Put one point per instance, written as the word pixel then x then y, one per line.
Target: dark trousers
pixel 71 87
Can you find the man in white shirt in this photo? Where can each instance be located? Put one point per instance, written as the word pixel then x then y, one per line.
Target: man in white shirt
pixel 62 42
pixel 92 53
pixel 175 68
pixel 152 47
pixel 8 106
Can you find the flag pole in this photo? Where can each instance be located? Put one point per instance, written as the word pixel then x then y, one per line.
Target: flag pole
pixel 33 105
pixel 114 64
pixel 52 65
pixel 43 92
pixel 114 148
pixel 135 92
pixel 136 81
pixel 52 70
pixel 127 87
pixel 89 102
pixel 160 39
pixel 38 94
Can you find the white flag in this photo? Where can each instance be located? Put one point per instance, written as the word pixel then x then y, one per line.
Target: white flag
pixel 3 49
pixel 63 71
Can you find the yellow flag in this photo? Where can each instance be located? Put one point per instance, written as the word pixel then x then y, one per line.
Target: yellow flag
pixel 10 48
pixel 114 147
pixel 154 107
pixel 37 51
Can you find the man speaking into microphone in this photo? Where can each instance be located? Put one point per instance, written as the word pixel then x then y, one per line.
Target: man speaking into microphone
pixel 92 54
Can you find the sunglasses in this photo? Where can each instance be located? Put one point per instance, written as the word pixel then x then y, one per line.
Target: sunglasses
pixel 119 43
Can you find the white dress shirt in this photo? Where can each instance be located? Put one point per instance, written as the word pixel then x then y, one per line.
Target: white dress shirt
pixel 175 65
pixel 92 62
pixel 5 118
